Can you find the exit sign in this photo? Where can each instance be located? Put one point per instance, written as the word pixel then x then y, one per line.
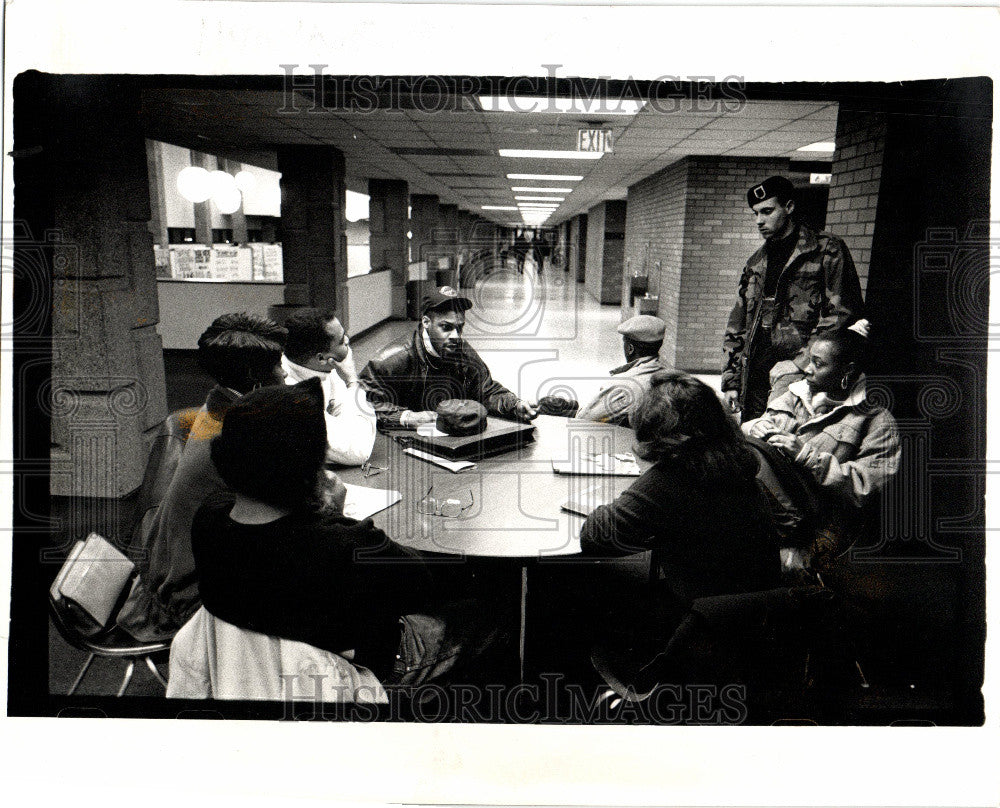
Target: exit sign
pixel 595 140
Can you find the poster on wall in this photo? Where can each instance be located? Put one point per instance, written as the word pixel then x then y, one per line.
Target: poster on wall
pixel 231 264
pixel 191 263
pixel 271 269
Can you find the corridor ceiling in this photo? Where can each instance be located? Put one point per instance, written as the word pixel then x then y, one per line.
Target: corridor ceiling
pixel 453 153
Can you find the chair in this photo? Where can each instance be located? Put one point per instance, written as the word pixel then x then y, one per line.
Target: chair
pixel 211 658
pixel 111 643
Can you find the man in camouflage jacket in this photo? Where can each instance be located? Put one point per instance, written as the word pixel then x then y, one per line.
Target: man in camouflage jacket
pixel 799 283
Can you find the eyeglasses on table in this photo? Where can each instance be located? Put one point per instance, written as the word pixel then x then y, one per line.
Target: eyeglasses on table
pixel 430 506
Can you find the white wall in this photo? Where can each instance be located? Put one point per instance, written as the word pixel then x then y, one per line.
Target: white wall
pixel 369 300
pixel 264 199
pixel 188 307
pixel 180 212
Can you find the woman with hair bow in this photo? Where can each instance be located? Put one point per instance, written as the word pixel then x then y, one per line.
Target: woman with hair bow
pixel 838 440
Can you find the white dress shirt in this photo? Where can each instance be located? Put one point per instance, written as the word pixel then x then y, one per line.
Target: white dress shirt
pixel 350 420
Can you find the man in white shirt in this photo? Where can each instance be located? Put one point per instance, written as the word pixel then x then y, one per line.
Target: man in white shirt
pixel 318 346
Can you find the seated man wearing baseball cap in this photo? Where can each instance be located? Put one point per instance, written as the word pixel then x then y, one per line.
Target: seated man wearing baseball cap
pixel 407 381
pixel 642 338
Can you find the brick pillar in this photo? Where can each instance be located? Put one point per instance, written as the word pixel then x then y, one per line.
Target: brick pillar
pixel 446 231
pixel 388 223
pixel 578 247
pixel 854 187
pixel 423 220
pixel 445 245
pixel 605 251
pixel 83 215
pixel 314 239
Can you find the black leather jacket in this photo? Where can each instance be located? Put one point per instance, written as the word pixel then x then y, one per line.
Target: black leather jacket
pixel 403 376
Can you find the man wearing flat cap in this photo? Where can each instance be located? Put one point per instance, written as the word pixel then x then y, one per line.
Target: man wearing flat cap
pixel 799 283
pixel 407 381
pixel 642 338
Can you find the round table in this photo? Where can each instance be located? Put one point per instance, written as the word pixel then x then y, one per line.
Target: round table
pixel 515 497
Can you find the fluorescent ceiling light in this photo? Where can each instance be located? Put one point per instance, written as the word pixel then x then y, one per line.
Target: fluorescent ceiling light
pixel 578 106
pixel 536 206
pixel 540 198
pixel 538 190
pixel 554 177
pixel 822 145
pixel 498 207
pixel 551 154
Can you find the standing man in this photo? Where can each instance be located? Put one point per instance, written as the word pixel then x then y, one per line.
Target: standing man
pixel 318 347
pixel 797 284
pixel 406 381
pixel 642 338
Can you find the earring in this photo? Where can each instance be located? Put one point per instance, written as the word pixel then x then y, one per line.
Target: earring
pixel 845 382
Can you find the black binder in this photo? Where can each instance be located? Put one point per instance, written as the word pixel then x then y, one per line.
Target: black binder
pixel 500 436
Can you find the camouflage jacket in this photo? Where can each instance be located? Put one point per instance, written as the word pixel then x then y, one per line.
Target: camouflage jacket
pixel 817 289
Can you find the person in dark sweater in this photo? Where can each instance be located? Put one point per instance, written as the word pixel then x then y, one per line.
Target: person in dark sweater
pixel 276 558
pixel 699 507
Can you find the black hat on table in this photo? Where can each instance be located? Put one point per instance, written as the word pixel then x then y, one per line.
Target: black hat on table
pixel 778 186
pixel 443 297
pixel 460 417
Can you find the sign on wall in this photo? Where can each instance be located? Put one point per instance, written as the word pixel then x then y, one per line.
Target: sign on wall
pixel 595 140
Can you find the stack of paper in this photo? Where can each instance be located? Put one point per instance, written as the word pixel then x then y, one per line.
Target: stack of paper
pixel 599 465
pixel 362 502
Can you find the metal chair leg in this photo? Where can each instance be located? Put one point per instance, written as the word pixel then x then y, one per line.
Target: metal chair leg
pixel 128 677
pixel 81 674
pixel 156 672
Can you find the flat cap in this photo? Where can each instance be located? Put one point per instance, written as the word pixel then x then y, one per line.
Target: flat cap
pixel 777 186
pixel 643 328
pixel 445 295
pixel 460 417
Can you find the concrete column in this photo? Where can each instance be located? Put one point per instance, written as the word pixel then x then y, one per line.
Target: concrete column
pixel 237 219
pixel 423 221
pixel 388 223
pixel 203 210
pixel 314 240
pixel 83 213
pixel 157 199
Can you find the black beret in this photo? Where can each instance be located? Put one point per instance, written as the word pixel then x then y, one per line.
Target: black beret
pixel 772 186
